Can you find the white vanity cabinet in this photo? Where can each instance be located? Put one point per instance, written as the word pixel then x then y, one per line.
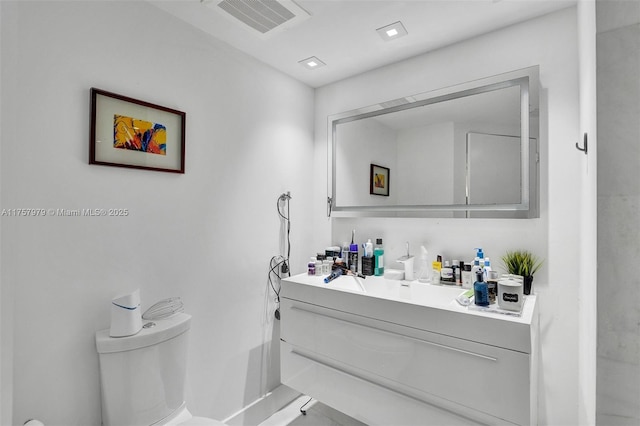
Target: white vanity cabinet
pixel 388 354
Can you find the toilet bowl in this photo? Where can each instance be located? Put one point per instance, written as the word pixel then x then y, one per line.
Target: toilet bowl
pixel 184 418
pixel 142 377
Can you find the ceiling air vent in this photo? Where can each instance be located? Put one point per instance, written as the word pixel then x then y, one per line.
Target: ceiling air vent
pixel 265 16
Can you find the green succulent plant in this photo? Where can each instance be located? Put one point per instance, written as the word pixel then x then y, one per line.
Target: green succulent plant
pixel 521 262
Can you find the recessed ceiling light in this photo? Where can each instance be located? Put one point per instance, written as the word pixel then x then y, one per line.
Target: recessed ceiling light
pixel 312 63
pixel 392 31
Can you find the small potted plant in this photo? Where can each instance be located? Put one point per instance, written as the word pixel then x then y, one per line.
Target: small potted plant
pixel 523 263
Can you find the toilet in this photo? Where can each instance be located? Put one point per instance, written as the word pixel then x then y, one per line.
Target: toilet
pixel 142 377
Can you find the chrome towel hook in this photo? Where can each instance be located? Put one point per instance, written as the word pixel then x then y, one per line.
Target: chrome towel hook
pixel 584 145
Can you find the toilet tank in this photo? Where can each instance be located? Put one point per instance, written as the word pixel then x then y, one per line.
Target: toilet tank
pixel 142 376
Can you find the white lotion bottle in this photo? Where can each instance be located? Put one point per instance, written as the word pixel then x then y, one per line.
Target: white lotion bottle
pixel 425 270
pixel 475 269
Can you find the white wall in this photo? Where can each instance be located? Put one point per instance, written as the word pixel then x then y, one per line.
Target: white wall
pixel 551 43
pixel 618 93
pixel 207 235
pixel 5 347
pixel 364 142
pixel 588 289
pixel 432 180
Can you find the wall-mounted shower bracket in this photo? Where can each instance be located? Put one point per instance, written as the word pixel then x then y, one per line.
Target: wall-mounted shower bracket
pixel 584 147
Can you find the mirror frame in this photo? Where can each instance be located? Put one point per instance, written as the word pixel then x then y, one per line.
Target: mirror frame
pixel 526 79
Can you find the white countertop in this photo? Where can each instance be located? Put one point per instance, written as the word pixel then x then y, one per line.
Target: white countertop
pixel 415 293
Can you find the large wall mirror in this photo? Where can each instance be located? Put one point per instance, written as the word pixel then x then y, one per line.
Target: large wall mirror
pixel 469 150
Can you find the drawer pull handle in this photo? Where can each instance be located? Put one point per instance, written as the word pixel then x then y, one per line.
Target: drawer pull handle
pixel 451 348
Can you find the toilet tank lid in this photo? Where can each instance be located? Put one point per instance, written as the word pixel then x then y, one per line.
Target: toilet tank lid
pixel 164 329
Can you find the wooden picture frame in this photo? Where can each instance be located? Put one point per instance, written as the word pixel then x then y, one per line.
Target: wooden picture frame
pixel 127 132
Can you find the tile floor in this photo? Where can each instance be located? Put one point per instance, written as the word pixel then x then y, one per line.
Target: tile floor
pixel 318 414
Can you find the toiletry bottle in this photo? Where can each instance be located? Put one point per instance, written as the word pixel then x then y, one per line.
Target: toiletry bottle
pixel 467 277
pixel 492 286
pixel 311 266
pixel 334 274
pixel 459 273
pixel 344 254
pixel 367 249
pixel 318 267
pixel 378 254
pixel 436 267
pixel 455 265
pixel 480 291
pixel 332 252
pixel 425 270
pixel 367 258
pixel 353 253
pixel 475 268
pixel 446 273
pixel 326 266
pixel 487 268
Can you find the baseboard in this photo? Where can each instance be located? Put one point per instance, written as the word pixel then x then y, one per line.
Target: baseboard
pixel 263 408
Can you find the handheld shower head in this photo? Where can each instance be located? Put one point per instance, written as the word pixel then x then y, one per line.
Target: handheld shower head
pixel 285 196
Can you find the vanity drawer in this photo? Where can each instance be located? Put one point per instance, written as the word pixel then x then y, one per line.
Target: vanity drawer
pixel 368 399
pixel 429 366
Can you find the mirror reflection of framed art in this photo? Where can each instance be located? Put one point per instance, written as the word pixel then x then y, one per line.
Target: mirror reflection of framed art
pixel 379 180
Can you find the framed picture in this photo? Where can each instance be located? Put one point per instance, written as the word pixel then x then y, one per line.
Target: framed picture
pixel 379 180
pixel 127 132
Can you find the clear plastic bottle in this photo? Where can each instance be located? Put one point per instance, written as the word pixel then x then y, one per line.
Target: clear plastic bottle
pixel 378 254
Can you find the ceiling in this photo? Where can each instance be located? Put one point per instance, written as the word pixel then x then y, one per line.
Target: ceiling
pixel 342 33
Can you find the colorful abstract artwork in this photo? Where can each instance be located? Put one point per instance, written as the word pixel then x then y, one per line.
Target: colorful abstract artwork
pixel 139 135
pixel 378 180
